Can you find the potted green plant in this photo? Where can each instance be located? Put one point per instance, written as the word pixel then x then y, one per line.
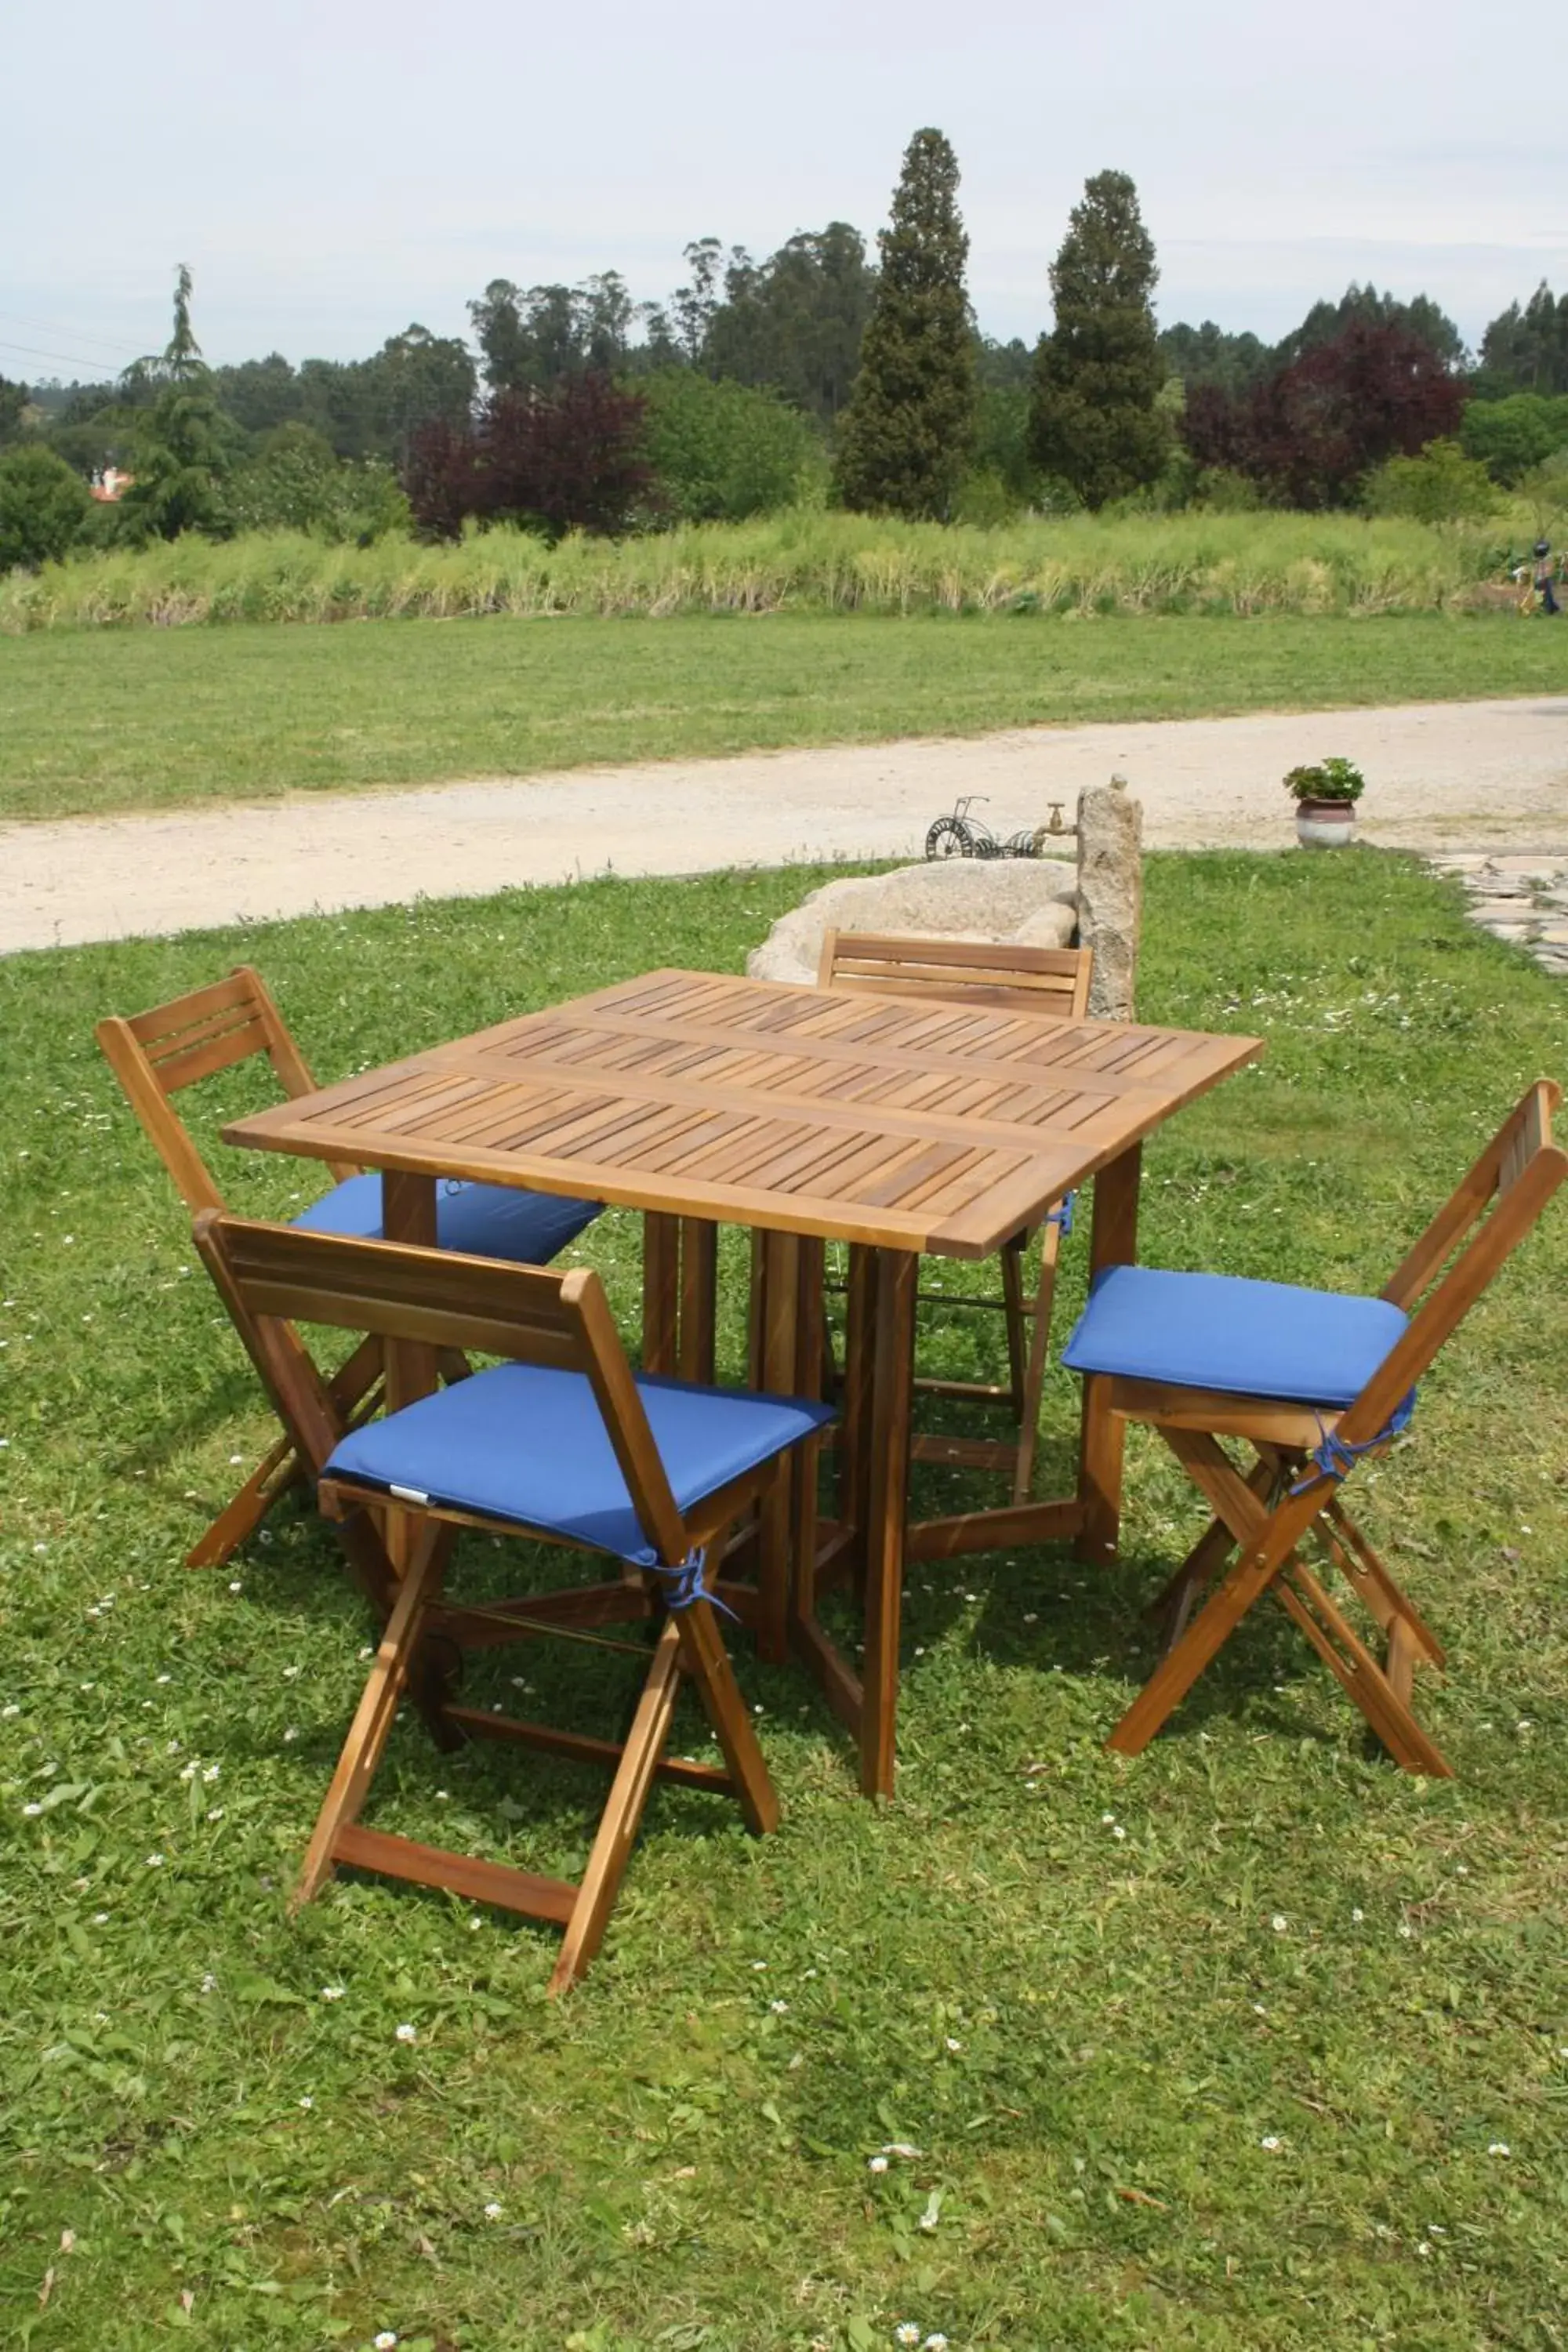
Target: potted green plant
pixel 1325 798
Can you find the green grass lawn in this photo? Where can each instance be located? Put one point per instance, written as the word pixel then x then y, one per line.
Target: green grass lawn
pixel 101 719
pixel 1090 1995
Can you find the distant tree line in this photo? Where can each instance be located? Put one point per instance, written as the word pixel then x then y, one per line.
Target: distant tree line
pixel 815 373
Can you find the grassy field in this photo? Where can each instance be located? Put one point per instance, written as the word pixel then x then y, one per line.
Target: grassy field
pixel 802 560
pixel 1215 2049
pixel 96 721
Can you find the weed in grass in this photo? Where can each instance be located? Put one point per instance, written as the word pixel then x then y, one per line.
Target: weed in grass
pixel 1235 2079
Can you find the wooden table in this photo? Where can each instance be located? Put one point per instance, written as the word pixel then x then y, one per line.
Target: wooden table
pixel 898 1125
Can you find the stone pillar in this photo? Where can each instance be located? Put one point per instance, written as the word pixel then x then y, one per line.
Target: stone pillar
pixel 1110 894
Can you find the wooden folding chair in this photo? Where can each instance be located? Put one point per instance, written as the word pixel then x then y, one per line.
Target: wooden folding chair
pixel 156 1053
pixel 1048 983
pixel 1313 1381
pixel 558 1443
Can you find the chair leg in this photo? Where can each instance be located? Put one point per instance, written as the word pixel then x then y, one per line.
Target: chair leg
pixel 707 1661
pixel 273 1475
pixel 618 1825
pixel 350 1388
pixel 1182 1664
pixel 1266 1539
pixel 1366 1575
pixel 377 1709
pixel 1172 1606
pixel 1379 1695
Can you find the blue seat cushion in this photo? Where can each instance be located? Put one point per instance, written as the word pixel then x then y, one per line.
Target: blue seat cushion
pixel 480 1220
pixel 526 1443
pixel 1220 1331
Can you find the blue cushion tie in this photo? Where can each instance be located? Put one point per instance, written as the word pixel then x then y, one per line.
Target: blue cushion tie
pixel 1336 1460
pixel 1062 1214
pixel 688 1581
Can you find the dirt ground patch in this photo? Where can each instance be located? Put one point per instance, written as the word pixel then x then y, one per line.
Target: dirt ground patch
pixel 1463 776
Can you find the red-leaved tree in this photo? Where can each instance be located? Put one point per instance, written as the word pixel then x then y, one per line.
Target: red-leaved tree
pixel 1308 433
pixel 441 477
pixel 570 459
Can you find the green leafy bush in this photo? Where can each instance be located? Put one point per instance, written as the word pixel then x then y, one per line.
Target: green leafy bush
pixel 1509 437
pixel 1442 485
pixel 720 452
pixel 987 499
pixel 297 482
pixel 43 506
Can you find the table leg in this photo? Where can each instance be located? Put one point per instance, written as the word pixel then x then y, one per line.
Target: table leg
pixel 860 1306
pixel 776 1342
pixel 810 1340
pixel 407 1214
pixel 660 1292
pixel 886 1489
pixel 1114 1242
pixel 698 1299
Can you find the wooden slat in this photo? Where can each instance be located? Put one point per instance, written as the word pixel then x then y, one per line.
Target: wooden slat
pixel 581 1747
pixel 459 1873
pixel 1014 1523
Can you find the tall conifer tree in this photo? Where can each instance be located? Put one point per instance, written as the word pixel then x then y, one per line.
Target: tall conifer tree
pixel 905 436
pixel 1093 421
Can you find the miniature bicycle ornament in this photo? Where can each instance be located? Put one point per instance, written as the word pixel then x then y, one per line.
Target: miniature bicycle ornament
pixel 959 835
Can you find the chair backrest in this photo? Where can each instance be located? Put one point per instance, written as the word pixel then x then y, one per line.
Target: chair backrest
pixel 1052 983
pixel 155 1054
pixel 271 1276
pixel 1466 1245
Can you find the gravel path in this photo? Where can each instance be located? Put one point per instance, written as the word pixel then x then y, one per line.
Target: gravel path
pixel 1475 776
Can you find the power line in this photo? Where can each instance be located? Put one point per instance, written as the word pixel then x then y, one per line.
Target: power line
pixel 63 359
pixel 68 334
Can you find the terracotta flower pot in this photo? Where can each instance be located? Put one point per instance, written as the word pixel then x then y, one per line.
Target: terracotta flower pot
pixel 1325 825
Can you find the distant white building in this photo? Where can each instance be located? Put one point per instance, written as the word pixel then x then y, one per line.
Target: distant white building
pixel 109 487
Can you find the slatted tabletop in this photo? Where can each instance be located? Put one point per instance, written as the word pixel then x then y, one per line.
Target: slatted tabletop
pixel 884 1120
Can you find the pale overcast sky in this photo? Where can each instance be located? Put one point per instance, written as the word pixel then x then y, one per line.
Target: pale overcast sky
pixel 332 170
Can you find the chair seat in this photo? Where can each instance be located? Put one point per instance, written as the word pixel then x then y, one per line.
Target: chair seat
pixel 479 1220
pixel 524 1443
pixel 1219 1332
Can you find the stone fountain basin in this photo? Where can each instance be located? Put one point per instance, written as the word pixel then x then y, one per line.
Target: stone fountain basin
pixel 1024 901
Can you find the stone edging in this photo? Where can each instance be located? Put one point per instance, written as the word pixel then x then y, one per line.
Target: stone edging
pixel 1521 899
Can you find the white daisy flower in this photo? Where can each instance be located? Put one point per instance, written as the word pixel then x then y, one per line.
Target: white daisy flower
pixel 409 2033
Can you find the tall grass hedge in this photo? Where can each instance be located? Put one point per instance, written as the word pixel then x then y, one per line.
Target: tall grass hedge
pixel 801 561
